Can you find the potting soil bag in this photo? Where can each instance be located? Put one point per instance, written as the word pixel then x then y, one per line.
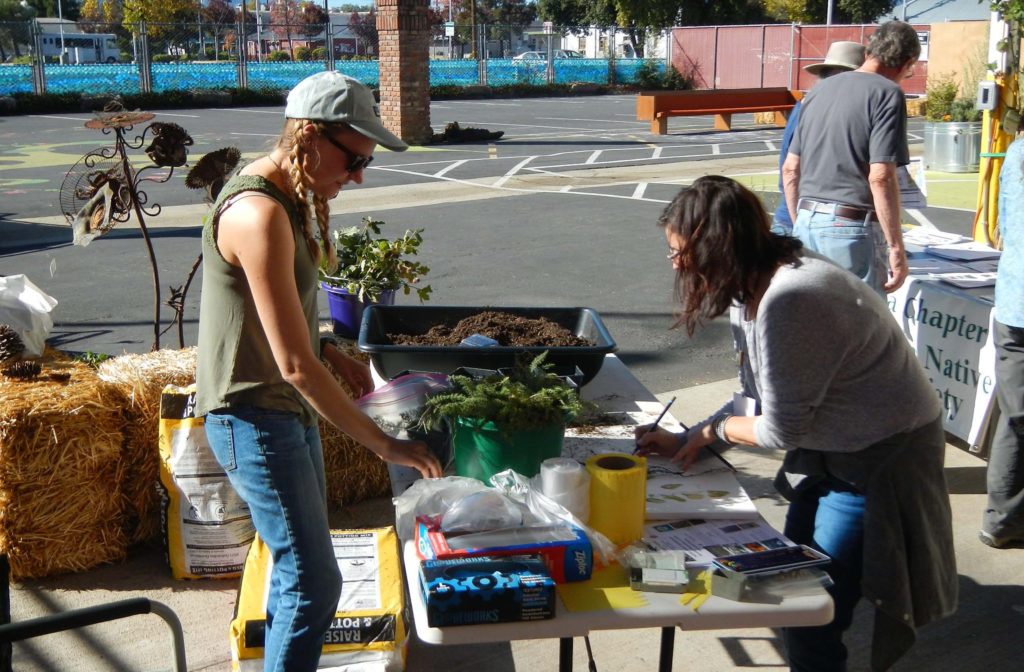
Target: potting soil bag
pixel 368 633
pixel 207 526
pixel 396 408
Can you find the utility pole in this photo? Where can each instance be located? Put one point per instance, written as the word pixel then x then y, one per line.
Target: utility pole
pixel 472 24
pixel 60 18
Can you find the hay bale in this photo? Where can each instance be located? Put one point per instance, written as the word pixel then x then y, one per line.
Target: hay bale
pixel 140 379
pixel 354 472
pixel 61 471
pixel 764 118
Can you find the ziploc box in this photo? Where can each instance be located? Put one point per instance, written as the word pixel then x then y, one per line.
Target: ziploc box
pixel 471 591
pixel 368 632
pixel 564 549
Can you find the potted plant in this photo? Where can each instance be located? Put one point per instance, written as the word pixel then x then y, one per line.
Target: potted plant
pixel 370 270
pixel 507 419
pixel 952 129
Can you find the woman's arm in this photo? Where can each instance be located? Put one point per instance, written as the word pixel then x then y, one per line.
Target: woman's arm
pixel 256 235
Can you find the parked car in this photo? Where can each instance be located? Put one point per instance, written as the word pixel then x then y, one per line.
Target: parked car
pixel 543 55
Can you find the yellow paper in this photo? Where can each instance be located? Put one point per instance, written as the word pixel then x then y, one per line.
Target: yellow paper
pixel 607 588
pixel 618 496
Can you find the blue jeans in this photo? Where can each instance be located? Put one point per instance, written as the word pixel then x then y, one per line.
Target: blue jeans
pixel 854 244
pixel 276 465
pixel 830 517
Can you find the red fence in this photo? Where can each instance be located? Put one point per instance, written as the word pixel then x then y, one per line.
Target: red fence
pixel 737 57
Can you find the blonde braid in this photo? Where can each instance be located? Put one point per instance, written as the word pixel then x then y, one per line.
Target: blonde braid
pixel 300 183
pixel 323 221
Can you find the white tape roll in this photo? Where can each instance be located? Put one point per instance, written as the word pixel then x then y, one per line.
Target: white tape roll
pixel 567 482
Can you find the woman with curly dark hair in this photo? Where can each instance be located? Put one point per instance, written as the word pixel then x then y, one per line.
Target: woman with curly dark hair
pixel 842 393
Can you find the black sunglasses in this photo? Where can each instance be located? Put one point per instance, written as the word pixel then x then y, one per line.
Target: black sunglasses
pixel 356 162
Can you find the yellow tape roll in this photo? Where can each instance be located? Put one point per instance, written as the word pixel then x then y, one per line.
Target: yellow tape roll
pixel 618 496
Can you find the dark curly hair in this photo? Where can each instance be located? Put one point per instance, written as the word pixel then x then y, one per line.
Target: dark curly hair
pixel 728 249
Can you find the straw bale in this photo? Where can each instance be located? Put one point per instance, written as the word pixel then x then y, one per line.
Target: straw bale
pixel 140 379
pixel 765 117
pixel 354 472
pixel 61 471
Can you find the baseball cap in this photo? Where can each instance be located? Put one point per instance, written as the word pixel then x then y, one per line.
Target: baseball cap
pixel 333 97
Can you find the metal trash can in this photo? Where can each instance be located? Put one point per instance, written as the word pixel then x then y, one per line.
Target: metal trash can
pixel 952 146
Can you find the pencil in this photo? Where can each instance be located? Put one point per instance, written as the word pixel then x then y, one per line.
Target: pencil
pixel 713 451
pixel 656 421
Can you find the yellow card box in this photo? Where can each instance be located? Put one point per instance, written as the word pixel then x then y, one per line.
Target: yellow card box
pixel 369 628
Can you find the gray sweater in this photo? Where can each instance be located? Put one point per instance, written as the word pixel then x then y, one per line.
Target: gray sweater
pixel 829 363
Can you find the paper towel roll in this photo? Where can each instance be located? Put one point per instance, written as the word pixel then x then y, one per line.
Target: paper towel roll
pixel 618 496
pixel 566 481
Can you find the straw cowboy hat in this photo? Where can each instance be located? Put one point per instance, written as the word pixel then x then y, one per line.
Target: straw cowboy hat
pixel 842 55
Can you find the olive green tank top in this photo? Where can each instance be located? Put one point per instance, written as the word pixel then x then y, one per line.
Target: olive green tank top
pixel 236 366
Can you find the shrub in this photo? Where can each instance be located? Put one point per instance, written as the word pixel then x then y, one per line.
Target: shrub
pixel 165 58
pixel 320 54
pixel 278 56
pixel 303 54
pixel 678 81
pixel 30 103
pixel 647 75
pixel 22 60
pixel 941 94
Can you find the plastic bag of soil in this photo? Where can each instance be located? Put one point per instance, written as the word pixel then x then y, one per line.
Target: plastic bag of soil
pixel 396 408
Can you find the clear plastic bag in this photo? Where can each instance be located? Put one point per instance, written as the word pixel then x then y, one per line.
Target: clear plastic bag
pixel 396 408
pixel 480 512
pixel 26 309
pixel 546 510
pixel 431 497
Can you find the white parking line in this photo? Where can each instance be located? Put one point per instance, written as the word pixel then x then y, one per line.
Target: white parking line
pixel 640 189
pixel 258 135
pixel 608 121
pixel 512 171
pixel 168 114
pixel 446 169
pixel 770 145
pixel 716 149
pixel 239 109
pixel 50 116
pixel 656 154
pixel 561 128
pixel 593 157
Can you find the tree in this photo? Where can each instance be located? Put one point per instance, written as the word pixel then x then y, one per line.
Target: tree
pixel 159 14
pixel 794 11
pixel 219 18
pixel 14 26
pixel 284 13
pixel 364 26
pixel 69 9
pixel 816 11
pixel 313 18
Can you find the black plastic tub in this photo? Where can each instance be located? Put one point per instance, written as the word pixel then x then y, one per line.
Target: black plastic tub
pixel 391 360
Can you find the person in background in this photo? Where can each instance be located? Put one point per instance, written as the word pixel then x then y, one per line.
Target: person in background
pixel 840 177
pixel 841 57
pixel 1003 521
pixel 260 381
pixel 843 395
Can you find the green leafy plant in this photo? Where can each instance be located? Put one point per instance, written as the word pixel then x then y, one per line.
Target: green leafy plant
pixel 528 397
pixel 368 266
pixel 944 102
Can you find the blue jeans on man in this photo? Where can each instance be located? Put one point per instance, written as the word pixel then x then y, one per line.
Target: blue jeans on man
pixel 276 465
pixel 858 245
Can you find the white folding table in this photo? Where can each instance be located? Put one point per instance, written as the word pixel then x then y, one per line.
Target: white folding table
pixel 619 390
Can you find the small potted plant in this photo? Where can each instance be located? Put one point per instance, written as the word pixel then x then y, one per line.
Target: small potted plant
pixel 370 270
pixel 508 419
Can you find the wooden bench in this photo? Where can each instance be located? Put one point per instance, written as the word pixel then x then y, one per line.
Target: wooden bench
pixel 657 106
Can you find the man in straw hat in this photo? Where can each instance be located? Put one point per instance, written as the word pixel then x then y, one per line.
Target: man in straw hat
pixel 841 57
pixel 840 174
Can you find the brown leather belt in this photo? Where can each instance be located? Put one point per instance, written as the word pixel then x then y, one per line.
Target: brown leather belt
pixel 844 211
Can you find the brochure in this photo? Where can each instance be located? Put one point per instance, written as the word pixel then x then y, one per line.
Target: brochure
pixel 705 540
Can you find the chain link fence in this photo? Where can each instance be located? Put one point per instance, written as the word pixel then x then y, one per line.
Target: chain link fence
pixel 203 56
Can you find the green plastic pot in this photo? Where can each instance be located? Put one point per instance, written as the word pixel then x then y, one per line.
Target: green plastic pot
pixel 482 450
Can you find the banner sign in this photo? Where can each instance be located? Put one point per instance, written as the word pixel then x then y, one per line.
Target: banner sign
pixel 951 332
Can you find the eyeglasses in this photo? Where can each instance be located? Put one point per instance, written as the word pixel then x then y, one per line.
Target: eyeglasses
pixel 673 254
pixel 356 162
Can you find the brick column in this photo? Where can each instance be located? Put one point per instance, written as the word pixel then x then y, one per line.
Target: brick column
pixel 404 68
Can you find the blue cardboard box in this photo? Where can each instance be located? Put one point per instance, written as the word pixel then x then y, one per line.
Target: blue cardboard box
pixel 474 591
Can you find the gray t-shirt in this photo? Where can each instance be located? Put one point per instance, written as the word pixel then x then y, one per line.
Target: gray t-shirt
pixel 848 122
pixel 830 364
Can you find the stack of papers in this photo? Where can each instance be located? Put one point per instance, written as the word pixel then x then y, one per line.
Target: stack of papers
pixel 966 251
pixel 705 540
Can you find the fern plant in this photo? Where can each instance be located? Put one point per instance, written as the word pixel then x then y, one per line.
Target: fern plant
pixel 528 397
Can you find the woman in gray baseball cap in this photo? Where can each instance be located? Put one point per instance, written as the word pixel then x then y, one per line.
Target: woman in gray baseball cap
pixel 260 380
